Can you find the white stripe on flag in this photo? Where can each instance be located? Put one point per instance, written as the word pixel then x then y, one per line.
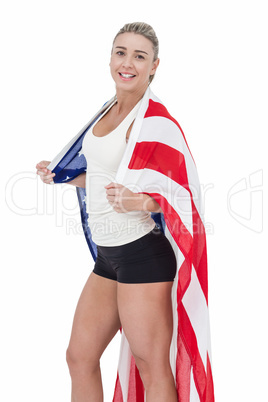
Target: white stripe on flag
pixel 175 141
pixel 194 397
pixel 196 307
pixel 177 196
pixel 173 346
pixel 124 366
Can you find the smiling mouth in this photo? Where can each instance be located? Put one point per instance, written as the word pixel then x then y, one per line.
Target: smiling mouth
pixel 127 76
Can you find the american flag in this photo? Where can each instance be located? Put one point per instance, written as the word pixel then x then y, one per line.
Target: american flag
pixel 157 161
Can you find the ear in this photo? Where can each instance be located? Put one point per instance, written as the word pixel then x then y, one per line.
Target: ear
pixel 155 65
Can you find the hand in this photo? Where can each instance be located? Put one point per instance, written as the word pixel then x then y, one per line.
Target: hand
pixel 122 199
pixel 45 174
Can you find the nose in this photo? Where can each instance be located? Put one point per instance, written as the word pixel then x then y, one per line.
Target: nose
pixel 127 62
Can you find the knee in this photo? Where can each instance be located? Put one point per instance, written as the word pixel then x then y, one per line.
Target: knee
pixel 152 370
pixel 71 358
pixel 144 371
pixel 79 362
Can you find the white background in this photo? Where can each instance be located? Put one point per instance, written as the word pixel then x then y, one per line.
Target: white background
pixel 54 75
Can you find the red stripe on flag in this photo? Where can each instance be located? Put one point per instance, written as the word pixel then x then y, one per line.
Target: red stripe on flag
pixel 210 387
pixel 135 388
pixel 183 372
pixel 156 109
pixel 118 396
pixel 162 158
pixel 182 238
pixel 186 330
pixel 200 251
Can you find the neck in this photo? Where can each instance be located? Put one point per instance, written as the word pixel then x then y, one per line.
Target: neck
pixel 127 100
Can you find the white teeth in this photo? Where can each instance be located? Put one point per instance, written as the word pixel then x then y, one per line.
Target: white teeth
pixel 127 75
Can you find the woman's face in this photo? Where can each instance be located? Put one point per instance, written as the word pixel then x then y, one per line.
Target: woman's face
pixel 132 62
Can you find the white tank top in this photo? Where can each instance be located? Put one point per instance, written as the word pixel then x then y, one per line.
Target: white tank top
pixel 103 155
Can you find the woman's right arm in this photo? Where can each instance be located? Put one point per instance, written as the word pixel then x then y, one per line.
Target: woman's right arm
pixel 47 176
pixel 79 181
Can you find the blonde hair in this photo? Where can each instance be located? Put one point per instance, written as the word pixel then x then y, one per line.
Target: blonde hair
pixel 141 28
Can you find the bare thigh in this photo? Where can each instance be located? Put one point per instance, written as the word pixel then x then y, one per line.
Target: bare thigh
pixel 96 320
pixel 146 316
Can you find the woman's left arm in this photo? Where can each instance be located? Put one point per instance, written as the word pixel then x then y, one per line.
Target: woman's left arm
pixel 124 200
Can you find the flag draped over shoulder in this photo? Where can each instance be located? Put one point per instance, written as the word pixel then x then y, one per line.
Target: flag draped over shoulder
pixel 157 161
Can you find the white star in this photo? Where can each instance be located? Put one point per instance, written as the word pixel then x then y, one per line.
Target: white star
pixel 80 153
pixel 67 178
pixel 85 199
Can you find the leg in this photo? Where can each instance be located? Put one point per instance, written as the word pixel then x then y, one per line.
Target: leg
pixel 96 321
pixel 146 315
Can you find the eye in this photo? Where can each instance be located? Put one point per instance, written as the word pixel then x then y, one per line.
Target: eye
pixel 139 56
pixel 120 53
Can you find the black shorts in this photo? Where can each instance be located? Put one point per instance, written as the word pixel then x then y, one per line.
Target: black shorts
pixel 149 259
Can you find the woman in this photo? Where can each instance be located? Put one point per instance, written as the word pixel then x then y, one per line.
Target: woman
pixel 131 284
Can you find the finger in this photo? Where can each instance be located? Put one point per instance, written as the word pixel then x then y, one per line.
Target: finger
pixel 49 177
pixel 110 185
pixel 111 191
pixel 42 164
pixel 45 173
pixel 111 199
pixel 40 173
pixel 113 185
pixel 117 209
pixel 48 181
pixel 46 178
